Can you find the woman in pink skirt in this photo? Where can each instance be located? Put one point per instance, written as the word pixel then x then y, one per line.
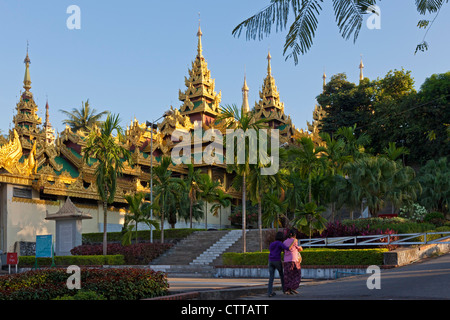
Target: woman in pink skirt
pixel 291 264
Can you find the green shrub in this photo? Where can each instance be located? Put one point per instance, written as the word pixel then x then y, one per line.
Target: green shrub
pixel 134 254
pixel 399 225
pixel 436 218
pixel 27 261
pixel 112 284
pixel 97 237
pixel 82 295
pixel 314 256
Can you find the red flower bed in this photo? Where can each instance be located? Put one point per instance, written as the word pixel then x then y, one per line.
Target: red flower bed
pixel 134 254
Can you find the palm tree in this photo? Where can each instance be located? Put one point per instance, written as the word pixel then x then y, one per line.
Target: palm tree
pixel 240 119
pixel 84 118
pixel 259 185
pixel 165 190
pixel 139 212
pixel 434 178
pixel 223 200
pixel 378 179
pixel 110 155
pixel 209 193
pixel 354 145
pixel 336 159
pixel 299 39
pixel 307 161
pixel 309 218
pixel 274 209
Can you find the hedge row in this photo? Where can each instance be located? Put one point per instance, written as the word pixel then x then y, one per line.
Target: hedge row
pixel 112 284
pixel 92 260
pixel 97 237
pixel 311 257
pixel 134 254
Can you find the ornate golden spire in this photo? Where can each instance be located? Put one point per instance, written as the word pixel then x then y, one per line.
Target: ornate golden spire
pixel 324 77
pixel 269 67
pixel 361 67
pixel 199 96
pixel 245 90
pixel 199 35
pixel 27 78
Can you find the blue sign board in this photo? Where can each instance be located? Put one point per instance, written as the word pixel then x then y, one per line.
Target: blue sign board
pixel 44 246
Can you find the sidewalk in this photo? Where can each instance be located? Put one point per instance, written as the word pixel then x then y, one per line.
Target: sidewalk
pixel 218 288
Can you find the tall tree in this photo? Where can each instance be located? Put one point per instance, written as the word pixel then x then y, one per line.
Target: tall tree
pixel 209 193
pixel 166 191
pixel 307 161
pixel 240 119
pixel 139 212
pixel 84 118
pixel 110 154
pixel 434 178
pixel 222 200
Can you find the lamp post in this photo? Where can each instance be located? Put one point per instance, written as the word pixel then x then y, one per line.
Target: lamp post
pixel 153 126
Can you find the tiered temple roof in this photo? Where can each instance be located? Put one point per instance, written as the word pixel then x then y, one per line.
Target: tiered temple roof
pixel 33 157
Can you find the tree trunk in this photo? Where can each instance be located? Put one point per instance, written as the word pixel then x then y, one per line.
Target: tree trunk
pixel 309 188
pixel 244 213
pixel 206 215
pixel 190 211
pixel 136 241
pixel 105 223
pixel 260 224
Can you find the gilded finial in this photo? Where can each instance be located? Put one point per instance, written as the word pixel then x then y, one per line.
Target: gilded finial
pixel 199 35
pixel 269 67
pixel 361 67
pixel 27 78
pixel 245 89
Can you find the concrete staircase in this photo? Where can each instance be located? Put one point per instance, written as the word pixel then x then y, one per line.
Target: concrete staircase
pixel 197 255
pixel 181 260
pixel 213 252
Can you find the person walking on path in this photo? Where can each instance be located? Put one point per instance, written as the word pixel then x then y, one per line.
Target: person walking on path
pixel 275 263
pixel 291 265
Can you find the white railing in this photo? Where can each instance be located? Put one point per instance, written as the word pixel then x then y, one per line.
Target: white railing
pixel 379 240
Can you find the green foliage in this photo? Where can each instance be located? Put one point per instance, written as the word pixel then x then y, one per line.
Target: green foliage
pixel 174 234
pixel 434 178
pixel 435 218
pixel 309 218
pixel 311 257
pixel 84 118
pixel 381 109
pixel 399 225
pixel 92 260
pixel 111 155
pixel 112 284
pixel 82 295
pixel 139 211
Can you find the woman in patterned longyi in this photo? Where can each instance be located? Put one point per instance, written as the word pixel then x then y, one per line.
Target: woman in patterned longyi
pixel 291 264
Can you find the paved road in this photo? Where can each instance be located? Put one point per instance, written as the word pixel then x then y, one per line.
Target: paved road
pixel 425 280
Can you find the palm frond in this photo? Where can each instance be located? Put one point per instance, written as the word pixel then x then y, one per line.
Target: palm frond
pixel 349 16
pixel 429 6
pixel 260 25
pixel 301 33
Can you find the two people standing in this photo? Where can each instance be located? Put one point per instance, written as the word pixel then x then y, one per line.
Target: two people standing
pixel 290 269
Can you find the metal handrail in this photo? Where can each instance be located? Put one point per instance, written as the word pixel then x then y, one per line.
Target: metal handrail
pixel 378 240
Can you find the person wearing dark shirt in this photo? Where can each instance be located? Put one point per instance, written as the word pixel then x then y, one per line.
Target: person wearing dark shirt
pixel 275 262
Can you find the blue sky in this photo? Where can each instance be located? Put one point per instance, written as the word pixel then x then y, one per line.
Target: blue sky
pixel 131 57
